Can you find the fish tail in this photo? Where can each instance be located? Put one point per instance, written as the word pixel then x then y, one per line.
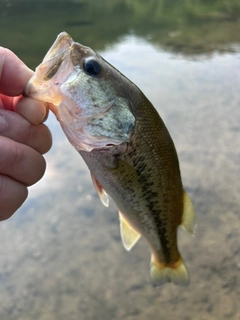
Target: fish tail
pixel 176 273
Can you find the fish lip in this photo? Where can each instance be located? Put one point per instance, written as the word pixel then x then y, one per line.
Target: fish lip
pixel 24 94
pixel 29 88
pixel 25 90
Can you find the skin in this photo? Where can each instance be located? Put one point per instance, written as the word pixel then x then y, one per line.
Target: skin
pixel 23 136
pixel 140 169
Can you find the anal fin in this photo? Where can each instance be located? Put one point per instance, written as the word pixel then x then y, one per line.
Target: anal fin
pixel 128 234
pixel 100 191
pixel 189 216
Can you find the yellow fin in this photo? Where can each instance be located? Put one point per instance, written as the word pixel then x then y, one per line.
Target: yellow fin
pixel 100 191
pixel 129 235
pixel 189 216
pixel 163 273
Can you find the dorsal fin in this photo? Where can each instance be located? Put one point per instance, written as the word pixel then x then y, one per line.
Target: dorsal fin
pixel 100 191
pixel 189 216
pixel 129 235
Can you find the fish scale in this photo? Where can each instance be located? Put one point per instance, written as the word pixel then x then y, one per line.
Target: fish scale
pixel 164 151
pixel 126 147
pixel 137 157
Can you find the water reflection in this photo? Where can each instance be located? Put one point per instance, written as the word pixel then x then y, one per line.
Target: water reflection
pixel 61 255
pixel 188 27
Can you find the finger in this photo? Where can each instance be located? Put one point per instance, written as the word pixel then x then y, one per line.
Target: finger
pixel 14 74
pixel 19 129
pixel 7 102
pixel 20 162
pixel 33 110
pixel 12 196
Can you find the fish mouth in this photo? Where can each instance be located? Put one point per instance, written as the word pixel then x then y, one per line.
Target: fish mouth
pixel 60 45
pixel 49 67
pixel 30 91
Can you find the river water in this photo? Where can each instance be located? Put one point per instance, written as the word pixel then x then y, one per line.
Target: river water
pixel 61 253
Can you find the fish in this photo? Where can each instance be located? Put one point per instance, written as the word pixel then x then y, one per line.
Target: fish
pixel 126 146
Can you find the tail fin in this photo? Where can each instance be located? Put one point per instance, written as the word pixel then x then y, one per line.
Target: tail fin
pixel 176 273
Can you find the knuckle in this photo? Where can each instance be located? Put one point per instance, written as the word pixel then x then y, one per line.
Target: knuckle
pixel 39 137
pixel 17 156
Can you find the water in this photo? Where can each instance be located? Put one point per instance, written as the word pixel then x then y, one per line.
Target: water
pixel 61 253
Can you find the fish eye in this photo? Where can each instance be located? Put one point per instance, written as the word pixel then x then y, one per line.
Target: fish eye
pixel 91 67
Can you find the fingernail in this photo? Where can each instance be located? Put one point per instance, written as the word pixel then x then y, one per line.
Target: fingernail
pixel 3 124
pixel 45 116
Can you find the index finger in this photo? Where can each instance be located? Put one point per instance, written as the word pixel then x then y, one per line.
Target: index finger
pixel 14 74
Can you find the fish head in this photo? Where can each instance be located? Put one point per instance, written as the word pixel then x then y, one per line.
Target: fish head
pixel 91 99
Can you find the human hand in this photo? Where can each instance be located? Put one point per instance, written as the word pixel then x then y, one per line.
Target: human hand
pixel 23 137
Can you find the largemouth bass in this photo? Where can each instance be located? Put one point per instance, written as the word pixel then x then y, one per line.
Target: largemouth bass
pixel 126 147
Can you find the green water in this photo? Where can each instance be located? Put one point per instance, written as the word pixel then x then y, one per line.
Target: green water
pixel 61 253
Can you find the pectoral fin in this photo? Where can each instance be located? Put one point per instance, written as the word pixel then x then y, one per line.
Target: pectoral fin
pixel 189 217
pixel 129 235
pixel 100 191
